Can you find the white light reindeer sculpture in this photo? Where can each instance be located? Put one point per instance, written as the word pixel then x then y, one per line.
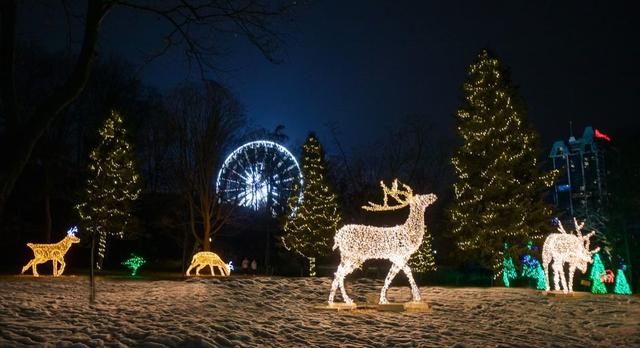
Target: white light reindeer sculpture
pixel 568 248
pixel 358 243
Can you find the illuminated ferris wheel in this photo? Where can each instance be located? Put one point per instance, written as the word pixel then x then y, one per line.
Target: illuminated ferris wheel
pixel 259 175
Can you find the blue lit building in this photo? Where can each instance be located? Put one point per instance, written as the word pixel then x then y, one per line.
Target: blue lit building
pixel 581 188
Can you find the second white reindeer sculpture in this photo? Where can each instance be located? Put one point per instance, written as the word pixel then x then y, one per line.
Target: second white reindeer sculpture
pixel 358 243
pixel 561 248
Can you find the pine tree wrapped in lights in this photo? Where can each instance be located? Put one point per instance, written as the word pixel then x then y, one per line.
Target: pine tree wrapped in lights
pixel 112 186
pixel 310 228
pixel 621 286
pixel 508 271
pixel 423 260
pixel 597 270
pixel 531 268
pixel 499 185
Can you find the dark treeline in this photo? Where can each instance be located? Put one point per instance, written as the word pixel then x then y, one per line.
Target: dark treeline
pixel 180 138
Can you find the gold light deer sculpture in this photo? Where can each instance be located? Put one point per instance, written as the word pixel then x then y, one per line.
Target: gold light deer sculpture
pixel 54 252
pixel 207 258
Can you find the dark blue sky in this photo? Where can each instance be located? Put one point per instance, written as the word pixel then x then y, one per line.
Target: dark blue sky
pixel 364 64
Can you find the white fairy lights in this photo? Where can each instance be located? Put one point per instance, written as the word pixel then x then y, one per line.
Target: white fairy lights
pixel 54 252
pixel 207 258
pixel 561 248
pixel 358 243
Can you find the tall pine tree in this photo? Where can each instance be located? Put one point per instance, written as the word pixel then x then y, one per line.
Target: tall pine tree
pixel 112 186
pixel 310 228
pixel 499 186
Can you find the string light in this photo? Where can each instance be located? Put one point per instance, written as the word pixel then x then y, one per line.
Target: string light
pixel 508 271
pixel 112 187
pixel 54 252
pixel 134 262
pixel 531 268
pixel 207 258
pixel 597 271
pixel 496 193
pixel 608 277
pixel 312 222
pixel 567 248
pixel 621 286
pixel 358 243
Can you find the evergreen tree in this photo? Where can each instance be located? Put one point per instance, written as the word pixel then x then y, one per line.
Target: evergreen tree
pixel 422 260
pixel 310 228
pixel 112 186
pixel 597 271
pixel 508 270
pixel 499 185
pixel 621 286
pixel 531 268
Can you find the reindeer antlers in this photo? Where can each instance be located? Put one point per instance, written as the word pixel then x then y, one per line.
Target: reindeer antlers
pixel 578 227
pixel 395 193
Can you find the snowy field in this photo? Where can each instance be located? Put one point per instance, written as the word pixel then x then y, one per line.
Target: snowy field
pixel 263 311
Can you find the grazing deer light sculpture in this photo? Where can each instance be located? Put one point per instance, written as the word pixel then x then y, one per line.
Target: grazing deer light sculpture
pixel 358 243
pixel 568 248
pixel 54 252
pixel 207 258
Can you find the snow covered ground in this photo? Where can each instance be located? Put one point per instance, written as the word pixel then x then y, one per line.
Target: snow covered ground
pixel 265 311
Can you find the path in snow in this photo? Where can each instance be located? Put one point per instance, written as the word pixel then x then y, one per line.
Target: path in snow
pixel 265 311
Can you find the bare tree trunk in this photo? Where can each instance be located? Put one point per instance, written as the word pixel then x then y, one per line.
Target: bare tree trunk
pixel 192 223
pixel 92 278
pixel 184 249
pixel 47 216
pixel 206 225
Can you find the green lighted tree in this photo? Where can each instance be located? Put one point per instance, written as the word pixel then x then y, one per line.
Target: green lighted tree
pixel 422 260
pixel 112 186
pixel 310 228
pixel 499 185
pixel 621 286
pixel 597 270
pixel 508 270
pixel 134 262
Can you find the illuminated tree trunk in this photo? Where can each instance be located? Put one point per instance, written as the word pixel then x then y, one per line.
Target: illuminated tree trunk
pixel 312 266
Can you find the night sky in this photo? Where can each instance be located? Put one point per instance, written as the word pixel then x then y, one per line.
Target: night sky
pixel 363 64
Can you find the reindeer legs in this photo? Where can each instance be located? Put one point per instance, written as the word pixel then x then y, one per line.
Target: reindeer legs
pixel 343 270
pixel 25 268
pixel 559 276
pixel 556 275
pixel 392 274
pixel 62 266
pixel 572 270
pixel 415 291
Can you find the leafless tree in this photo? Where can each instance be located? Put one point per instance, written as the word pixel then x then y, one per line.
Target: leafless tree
pixel 193 25
pixel 205 121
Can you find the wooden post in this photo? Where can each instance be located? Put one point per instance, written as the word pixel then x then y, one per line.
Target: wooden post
pixel 92 280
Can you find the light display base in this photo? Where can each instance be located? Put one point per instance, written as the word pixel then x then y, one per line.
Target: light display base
pixel 420 307
pixel 560 294
pixel 417 307
pixel 337 307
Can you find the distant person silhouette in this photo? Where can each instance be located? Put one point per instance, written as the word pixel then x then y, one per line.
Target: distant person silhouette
pixel 245 266
pixel 254 267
